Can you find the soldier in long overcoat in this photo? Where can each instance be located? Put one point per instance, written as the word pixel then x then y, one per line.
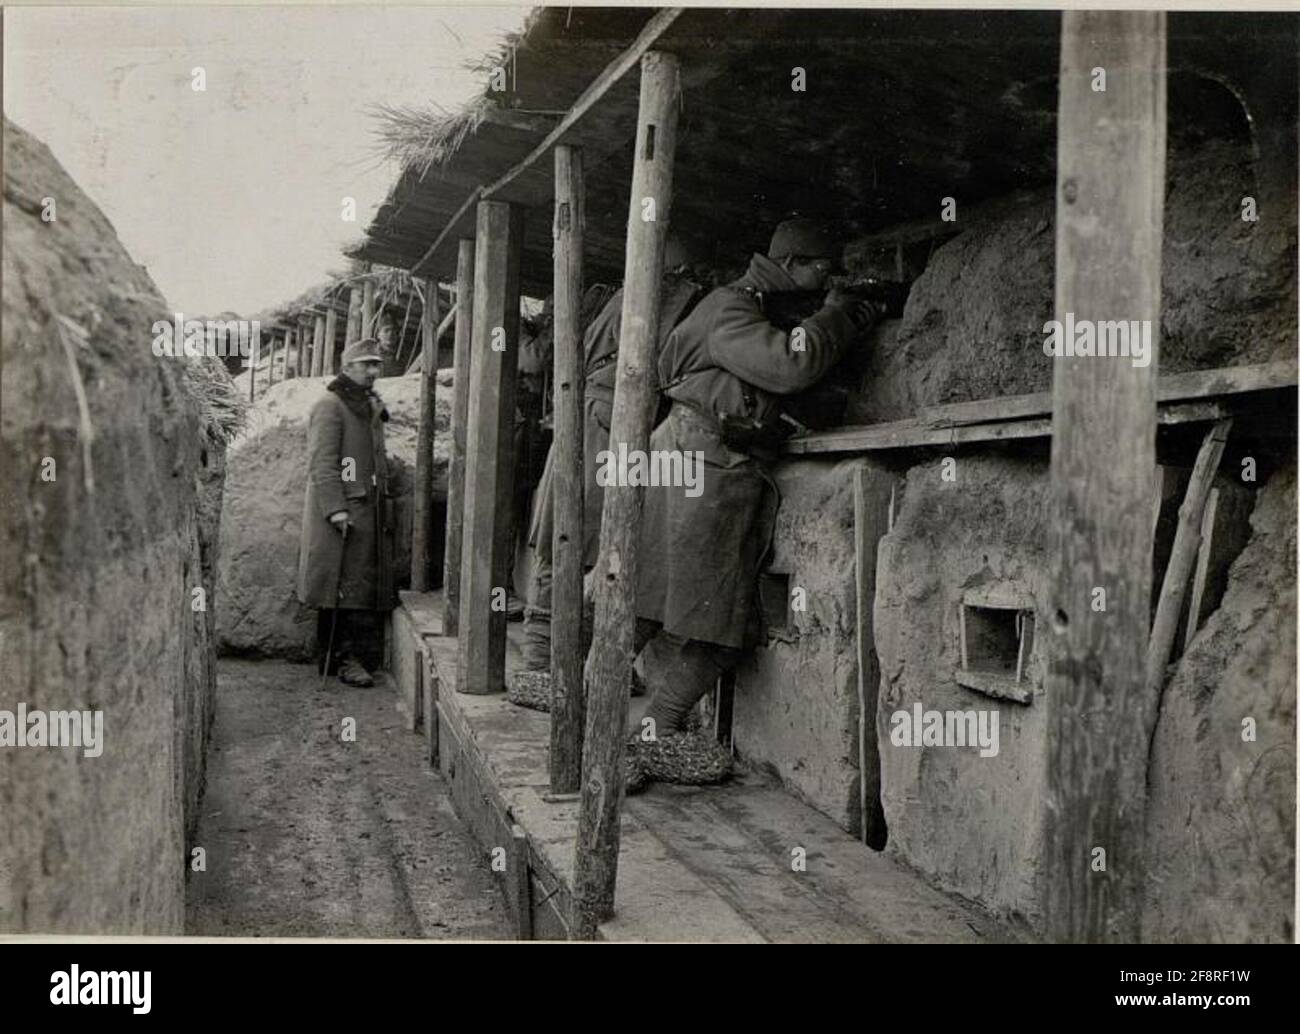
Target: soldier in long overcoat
pixel 679 292
pixel 724 369
pixel 345 556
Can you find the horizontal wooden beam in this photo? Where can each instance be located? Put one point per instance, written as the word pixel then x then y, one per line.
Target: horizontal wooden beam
pixel 902 434
pixel 1173 387
pixel 1183 398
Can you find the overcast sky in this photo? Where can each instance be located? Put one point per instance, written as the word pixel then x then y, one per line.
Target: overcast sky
pixel 232 197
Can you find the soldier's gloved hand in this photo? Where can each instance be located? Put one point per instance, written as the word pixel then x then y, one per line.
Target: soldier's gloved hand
pixel 861 311
pixel 340 520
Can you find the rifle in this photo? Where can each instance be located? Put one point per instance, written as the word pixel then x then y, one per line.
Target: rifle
pixel 787 309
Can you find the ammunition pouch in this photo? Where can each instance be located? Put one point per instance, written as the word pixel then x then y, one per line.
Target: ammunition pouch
pixel 745 434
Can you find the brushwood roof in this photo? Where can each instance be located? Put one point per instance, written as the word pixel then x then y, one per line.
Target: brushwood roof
pixel 900 109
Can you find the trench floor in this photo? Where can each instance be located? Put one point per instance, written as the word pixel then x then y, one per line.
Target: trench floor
pixel 309 835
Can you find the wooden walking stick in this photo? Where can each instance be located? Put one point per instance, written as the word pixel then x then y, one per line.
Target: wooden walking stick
pixel 334 617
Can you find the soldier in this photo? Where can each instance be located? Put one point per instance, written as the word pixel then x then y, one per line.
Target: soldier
pixel 725 369
pixel 679 292
pixel 345 557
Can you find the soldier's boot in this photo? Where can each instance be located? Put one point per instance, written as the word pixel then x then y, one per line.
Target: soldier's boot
pixel 353 673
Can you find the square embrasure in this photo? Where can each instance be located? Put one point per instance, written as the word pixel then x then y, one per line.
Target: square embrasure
pixel 997 639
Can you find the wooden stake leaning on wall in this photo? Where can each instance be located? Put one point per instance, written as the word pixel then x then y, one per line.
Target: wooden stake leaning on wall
pixel 1181 559
pixel 1109 228
pixel 422 522
pixel 567 698
pixel 873 501
pixel 609 666
pixel 459 417
pixel 1202 567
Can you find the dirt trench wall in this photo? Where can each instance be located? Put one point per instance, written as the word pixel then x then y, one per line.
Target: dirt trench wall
pixel 796 702
pixel 1220 858
pixel 973 325
pixel 258 612
pixel 970 823
pixel 1220 819
pixel 100 566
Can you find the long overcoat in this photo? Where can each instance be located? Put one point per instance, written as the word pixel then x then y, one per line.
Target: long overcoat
pixel 700 555
pixel 600 350
pixel 335 434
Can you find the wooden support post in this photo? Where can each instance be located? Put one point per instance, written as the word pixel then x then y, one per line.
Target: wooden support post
pixel 422 522
pixel 459 417
pixel 318 347
pixel 1181 558
pixel 414 720
pixel 270 366
pixel 567 704
pixel 368 328
pixel 327 343
pixel 489 455
pixel 609 666
pixel 523 883
pixel 253 359
pixel 290 347
pixel 430 687
pixel 872 497
pixel 353 329
pixel 1109 216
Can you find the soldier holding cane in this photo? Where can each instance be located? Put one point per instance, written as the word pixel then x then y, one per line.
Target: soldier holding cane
pixel 345 559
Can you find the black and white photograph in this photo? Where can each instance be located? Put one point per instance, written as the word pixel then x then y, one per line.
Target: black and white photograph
pixel 710 475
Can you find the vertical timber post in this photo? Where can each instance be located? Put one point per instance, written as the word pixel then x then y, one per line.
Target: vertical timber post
pixel 368 309
pixel 459 418
pixel 1109 220
pixel 353 329
pixel 305 348
pixel 290 345
pixel 489 454
pixel 318 348
pixel 253 360
pixel 567 538
pixel 609 666
pixel 368 315
pixel 422 524
pixel 327 343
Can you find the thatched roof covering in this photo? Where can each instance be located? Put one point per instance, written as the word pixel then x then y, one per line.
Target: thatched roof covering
pixel 395 289
pixel 901 109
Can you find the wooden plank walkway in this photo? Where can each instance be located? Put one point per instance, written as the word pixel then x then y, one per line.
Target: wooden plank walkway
pixel 709 864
